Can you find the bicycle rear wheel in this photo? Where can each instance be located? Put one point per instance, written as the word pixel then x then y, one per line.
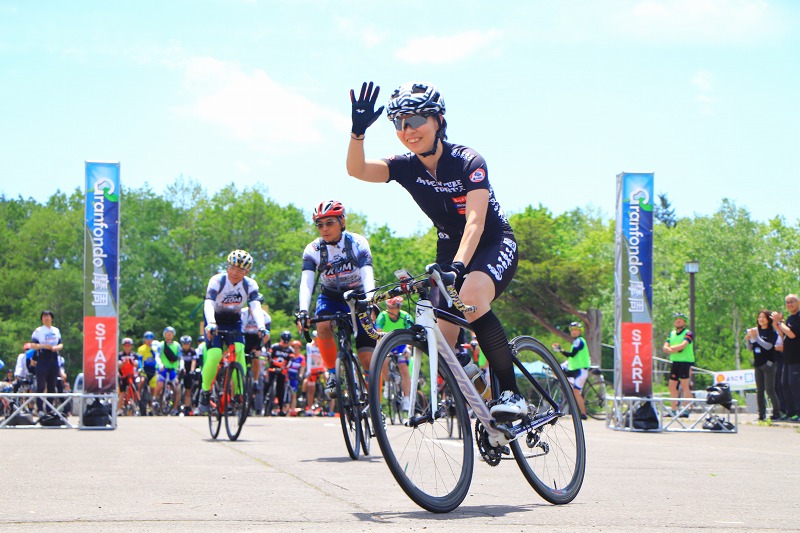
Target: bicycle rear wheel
pixel 347 405
pixel 552 457
pixel 594 396
pixel 214 414
pixel 432 468
pixel 236 401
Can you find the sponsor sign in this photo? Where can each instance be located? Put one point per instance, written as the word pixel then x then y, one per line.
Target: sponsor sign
pixel 101 278
pixel 633 278
pixel 737 379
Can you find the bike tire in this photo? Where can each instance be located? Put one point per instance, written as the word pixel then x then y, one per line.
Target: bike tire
pixel 363 408
pixel 248 394
pixel 346 405
pixel 594 397
pixel 214 414
pixel 236 404
pixel 272 393
pixel 552 457
pixel 392 402
pixel 434 470
pixel 168 398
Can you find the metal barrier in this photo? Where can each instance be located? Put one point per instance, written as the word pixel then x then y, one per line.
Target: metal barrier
pixel 685 420
pixel 22 403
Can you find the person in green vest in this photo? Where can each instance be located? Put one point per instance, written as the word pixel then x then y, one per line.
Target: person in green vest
pixel 168 363
pixel 680 347
pixel 391 319
pixel 577 364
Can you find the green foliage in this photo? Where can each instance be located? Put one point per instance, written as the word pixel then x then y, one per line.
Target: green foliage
pixel 172 244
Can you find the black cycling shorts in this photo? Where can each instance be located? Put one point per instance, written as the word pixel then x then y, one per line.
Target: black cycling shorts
pixel 251 342
pixel 188 378
pixel 680 370
pixel 497 259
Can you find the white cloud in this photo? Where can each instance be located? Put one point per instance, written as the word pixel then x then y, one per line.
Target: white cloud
pixel 714 21
pixel 703 81
pixel 250 106
pixel 367 34
pixel 449 49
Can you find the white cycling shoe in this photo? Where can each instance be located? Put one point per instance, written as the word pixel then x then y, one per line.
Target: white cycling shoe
pixel 509 404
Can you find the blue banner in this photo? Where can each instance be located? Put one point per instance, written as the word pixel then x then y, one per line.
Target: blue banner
pixel 101 277
pixel 633 309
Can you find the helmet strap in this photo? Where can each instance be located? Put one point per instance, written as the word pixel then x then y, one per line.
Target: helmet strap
pixel 435 139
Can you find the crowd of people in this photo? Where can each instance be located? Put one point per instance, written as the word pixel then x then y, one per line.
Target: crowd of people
pixel 775 342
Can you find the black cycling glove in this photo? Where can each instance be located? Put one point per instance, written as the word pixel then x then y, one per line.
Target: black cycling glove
pixel 364 114
pixel 456 269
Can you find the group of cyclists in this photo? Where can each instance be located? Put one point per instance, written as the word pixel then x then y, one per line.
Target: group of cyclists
pixel 282 367
pixel 450 183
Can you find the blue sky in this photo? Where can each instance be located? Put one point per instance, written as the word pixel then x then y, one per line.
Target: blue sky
pixel 559 97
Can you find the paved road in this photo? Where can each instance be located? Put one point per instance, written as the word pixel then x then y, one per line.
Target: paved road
pixel 293 474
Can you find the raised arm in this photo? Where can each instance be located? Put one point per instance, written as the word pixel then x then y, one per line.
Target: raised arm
pixel 364 115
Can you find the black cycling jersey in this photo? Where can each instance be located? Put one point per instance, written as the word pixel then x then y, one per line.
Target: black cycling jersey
pixel 280 355
pixel 443 198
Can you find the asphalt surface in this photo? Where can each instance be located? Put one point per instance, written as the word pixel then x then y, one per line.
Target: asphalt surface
pixel 293 474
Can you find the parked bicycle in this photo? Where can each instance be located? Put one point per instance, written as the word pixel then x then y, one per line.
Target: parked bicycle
pixel 434 465
pixel 594 394
pixel 351 388
pixel 228 394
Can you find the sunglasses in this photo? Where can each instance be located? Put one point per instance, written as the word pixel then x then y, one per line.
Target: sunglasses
pixel 328 224
pixel 413 121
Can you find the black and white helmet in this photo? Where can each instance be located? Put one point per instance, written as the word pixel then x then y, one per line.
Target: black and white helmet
pixel 415 98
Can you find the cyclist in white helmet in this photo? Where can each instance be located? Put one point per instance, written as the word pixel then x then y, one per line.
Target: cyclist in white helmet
pixel 450 183
pixel 226 294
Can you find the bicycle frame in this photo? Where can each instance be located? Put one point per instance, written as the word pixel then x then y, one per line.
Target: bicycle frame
pixel 502 434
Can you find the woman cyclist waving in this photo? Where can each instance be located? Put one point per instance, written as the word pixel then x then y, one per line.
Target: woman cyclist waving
pixel 450 183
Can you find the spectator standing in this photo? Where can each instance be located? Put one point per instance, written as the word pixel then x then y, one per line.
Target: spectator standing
pixel 680 347
pixel 791 355
pixel 762 339
pixel 46 340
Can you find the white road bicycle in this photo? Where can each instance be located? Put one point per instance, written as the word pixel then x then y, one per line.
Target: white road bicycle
pixel 434 464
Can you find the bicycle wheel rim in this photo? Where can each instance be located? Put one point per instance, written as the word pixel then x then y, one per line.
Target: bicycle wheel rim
pixel 248 395
pixel 432 468
pixel 236 402
pixel 348 415
pixel 553 457
pixel 595 400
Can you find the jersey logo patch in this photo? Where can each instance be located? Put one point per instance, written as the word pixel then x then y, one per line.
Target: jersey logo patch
pixel 460 204
pixel 477 176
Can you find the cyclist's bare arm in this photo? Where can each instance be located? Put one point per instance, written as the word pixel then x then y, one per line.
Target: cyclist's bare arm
pixel 374 171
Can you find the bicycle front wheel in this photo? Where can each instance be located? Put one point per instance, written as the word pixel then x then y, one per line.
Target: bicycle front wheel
pixel 214 414
pixel 594 396
pixel 362 406
pixel 347 405
pixel 552 457
pixel 235 401
pixel 432 468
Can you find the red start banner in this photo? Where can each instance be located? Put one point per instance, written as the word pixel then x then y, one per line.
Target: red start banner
pixel 637 358
pixel 99 348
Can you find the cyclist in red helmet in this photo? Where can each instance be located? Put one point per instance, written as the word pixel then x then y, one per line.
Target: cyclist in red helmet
pixel 450 183
pixel 344 262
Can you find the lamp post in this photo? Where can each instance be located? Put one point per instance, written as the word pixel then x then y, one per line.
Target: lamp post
pixel 691 268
